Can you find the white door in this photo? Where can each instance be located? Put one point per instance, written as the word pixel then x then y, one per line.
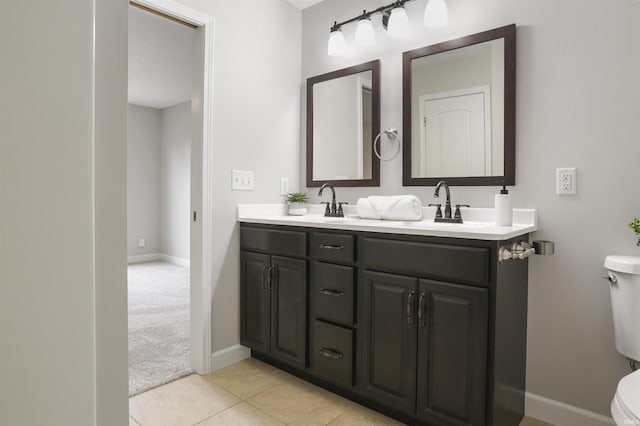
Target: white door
pixel 456 134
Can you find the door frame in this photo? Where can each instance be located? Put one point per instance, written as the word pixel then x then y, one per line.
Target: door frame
pixel 201 253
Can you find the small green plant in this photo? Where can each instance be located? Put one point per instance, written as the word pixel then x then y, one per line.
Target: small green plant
pixel 297 197
pixel 635 227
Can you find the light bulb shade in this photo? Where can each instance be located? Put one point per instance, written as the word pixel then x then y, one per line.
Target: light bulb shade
pixel 337 45
pixel 436 14
pixel 365 36
pixel 398 25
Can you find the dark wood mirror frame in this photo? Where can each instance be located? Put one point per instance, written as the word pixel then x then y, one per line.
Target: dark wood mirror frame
pixel 374 67
pixel 508 33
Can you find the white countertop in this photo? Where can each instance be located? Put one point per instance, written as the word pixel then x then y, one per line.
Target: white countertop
pixel 478 222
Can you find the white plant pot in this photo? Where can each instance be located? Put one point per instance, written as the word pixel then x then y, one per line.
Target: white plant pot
pixel 297 208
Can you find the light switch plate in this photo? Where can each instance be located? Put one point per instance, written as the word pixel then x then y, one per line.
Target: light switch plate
pixel 284 185
pixel 242 180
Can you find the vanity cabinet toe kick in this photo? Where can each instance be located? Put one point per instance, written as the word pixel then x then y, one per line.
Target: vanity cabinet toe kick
pixel 410 326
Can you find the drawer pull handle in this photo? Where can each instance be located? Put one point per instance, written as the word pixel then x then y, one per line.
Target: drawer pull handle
pixel 331 247
pixel 331 292
pixel 422 314
pixel 263 280
pixel 330 353
pixel 410 307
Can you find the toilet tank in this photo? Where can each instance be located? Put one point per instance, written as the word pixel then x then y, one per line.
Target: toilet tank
pixel 624 277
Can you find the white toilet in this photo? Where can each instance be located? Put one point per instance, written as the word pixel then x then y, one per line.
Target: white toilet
pixel 624 277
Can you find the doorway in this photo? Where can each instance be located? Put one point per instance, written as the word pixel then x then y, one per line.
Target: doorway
pixel 198 213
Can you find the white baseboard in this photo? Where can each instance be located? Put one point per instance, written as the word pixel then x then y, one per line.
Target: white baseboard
pixel 228 356
pixel 561 414
pixel 144 258
pixel 176 260
pixel 158 256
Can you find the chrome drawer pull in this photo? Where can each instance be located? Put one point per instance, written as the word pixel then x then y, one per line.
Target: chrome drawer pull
pixel 331 247
pixel 330 353
pixel 331 292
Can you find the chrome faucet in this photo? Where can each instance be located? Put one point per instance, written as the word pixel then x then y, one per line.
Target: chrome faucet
pixel 457 218
pixel 332 209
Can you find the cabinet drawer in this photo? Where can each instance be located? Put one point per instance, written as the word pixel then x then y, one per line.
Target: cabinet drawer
pixel 334 247
pixel 276 241
pixel 333 353
pixel 332 292
pixel 439 261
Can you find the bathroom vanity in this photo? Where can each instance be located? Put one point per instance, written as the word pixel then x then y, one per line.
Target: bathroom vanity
pixel 417 320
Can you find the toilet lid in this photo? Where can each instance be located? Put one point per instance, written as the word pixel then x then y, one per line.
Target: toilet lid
pixel 628 264
pixel 629 393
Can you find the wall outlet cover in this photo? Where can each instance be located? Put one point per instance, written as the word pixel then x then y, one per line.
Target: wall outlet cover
pixel 566 183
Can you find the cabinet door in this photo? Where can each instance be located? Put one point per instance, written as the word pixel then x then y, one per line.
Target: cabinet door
pixel 254 294
pixel 387 317
pixel 452 353
pixel 289 310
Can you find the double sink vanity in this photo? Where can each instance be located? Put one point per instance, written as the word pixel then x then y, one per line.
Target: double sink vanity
pixel 418 320
pixel 424 321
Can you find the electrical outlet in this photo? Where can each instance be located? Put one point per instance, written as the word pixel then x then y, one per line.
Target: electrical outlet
pixel 566 181
pixel 142 242
pixel 284 185
pixel 241 180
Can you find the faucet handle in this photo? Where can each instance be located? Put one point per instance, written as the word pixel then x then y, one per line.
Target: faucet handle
pixel 327 210
pixel 438 210
pixel 458 214
pixel 340 212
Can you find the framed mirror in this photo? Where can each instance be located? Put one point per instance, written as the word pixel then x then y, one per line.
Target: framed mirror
pixel 343 118
pixel 459 101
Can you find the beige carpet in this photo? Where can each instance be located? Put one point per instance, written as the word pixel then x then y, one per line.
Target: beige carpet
pixel 158 297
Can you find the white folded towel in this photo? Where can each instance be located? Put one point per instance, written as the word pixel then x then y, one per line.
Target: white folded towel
pixel 395 207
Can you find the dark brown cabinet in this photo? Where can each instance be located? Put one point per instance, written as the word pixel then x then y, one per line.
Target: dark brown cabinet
pixel 428 330
pixel 424 347
pixel 389 342
pixel 452 353
pixel 273 294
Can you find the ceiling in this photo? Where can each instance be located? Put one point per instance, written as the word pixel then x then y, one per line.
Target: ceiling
pixel 303 4
pixel 160 57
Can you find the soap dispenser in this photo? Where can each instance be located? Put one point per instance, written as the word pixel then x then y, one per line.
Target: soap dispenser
pixel 504 211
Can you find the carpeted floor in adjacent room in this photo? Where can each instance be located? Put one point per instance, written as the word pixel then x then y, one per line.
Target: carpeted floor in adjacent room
pixel 158 324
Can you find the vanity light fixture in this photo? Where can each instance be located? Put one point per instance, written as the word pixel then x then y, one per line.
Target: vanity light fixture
pixel 436 14
pixel 394 20
pixel 337 45
pixel 365 36
pixel 398 25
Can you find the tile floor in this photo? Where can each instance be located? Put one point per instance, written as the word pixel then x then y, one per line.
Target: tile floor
pixel 250 393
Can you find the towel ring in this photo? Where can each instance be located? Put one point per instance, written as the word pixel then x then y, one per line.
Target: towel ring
pixel 392 134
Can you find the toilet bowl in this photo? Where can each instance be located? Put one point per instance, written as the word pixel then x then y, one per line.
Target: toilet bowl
pixel 624 278
pixel 625 406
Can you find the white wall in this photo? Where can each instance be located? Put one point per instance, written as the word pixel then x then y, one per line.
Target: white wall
pixel 62 216
pixel 158 178
pixel 175 178
pixel 143 179
pixel 256 110
pixel 577 106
